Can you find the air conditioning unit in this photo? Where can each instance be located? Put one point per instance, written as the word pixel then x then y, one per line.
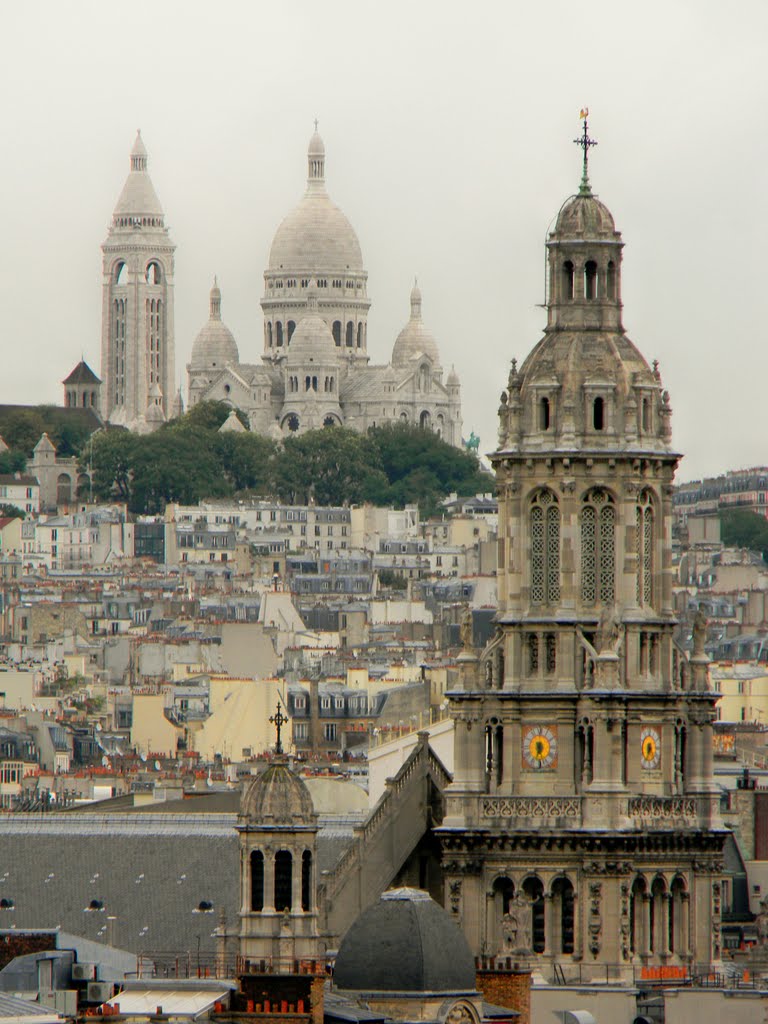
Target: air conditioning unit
pixel 98 991
pixel 83 972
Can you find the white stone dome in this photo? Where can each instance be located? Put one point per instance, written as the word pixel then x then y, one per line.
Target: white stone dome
pixel 414 339
pixel 215 345
pixel 312 341
pixel 316 237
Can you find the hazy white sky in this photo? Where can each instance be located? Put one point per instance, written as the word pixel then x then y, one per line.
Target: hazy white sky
pixel 448 129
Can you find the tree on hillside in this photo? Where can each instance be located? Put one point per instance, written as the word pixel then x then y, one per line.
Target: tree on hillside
pixel 330 466
pixel 12 462
pixel 204 417
pixel 11 512
pixel 247 461
pixel 744 529
pixel 111 457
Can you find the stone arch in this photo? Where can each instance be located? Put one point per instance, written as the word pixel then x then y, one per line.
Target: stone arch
pixel 567 280
pixel 544 522
pixel 283 880
pixel 257 880
pixel 350 337
pixel 598 547
pixel 63 489
pixel 336 332
pixel 533 888
pixel 425 420
pixel 590 280
pixel 153 273
pixel 563 914
pixel 306 880
pixel 290 422
pixel 638 917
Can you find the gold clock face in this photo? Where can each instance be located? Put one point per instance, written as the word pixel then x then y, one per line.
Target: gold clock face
pixel 540 746
pixel 650 748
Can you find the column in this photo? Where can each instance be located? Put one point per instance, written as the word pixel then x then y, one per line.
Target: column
pixel 666 899
pixel 269 881
pixel 296 882
pixel 550 946
pixel 685 924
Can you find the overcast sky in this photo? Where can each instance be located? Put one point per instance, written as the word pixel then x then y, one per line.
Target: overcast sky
pixel 448 129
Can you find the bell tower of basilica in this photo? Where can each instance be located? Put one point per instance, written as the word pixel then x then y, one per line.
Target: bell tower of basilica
pixel 582 823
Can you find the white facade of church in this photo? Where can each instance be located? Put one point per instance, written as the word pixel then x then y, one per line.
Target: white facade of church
pixel 315 368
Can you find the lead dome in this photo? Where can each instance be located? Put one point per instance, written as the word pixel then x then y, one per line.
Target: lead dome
pixel 405 943
pixel 278 798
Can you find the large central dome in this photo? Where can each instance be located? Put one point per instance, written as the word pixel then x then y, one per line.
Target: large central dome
pixel 316 237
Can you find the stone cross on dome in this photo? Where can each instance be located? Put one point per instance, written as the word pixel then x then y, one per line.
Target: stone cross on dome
pixel 278 720
pixel 585 142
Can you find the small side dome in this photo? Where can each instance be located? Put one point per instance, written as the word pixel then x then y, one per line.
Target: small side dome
pixel 414 339
pixel 584 216
pixel 215 345
pixel 277 797
pixel 408 943
pixel 453 378
pixel 138 198
pixel 312 341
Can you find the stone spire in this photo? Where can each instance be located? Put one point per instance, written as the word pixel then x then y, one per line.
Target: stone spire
pixel 316 163
pixel 215 300
pixel 415 300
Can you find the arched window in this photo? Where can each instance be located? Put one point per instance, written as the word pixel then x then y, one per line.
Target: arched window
pixel 567 279
pixel 359 335
pixel 534 890
pixel 590 280
pixel 336 330
pixel 563 916
pixel 306 880
pixel 291 329
pixel 257 880
pixel 544 413
pixel 658 933
pixel 121 274
pixel 598 413
pixel 63 489
pixel 269 335
pixel 644 544
pixel 279 329
pixel 153 275
pixel 610 281
pixel 637 920
pixel 283 880
pixel 598 554
pixel 504 892
pixel 545 549
pixel 678 917
pixel 425 420
pixel 350 334
pixel 333 384
pixel 307 383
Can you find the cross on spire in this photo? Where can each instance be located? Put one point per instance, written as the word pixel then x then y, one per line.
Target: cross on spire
pixel 278 720
pixel 585 142
pixel 315 124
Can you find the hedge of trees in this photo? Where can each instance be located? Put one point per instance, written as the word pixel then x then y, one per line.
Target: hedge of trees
pixel 187 460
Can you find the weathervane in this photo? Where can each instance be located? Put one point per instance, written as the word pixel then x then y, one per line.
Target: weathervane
pixel 585 142
pixel 278 720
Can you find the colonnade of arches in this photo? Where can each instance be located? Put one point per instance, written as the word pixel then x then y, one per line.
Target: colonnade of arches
pixel 544 919
pixel 279 885
pixel 81 400
pixel 352 335
pixel 587 280
pixel 599 412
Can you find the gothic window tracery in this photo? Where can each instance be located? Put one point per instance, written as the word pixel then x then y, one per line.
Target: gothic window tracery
pixel 545 549
pixel 598 553
pixel 644 548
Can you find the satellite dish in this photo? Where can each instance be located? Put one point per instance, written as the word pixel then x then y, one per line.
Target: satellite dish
pixel 157 766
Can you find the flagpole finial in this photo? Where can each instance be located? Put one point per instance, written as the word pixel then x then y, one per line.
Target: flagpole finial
pixel 584 141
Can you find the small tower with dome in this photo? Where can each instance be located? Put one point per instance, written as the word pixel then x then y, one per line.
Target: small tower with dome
pixel 278 828
pixel 214 348
pixel 137 331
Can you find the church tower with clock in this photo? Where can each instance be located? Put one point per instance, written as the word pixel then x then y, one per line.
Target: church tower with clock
pixel 582 822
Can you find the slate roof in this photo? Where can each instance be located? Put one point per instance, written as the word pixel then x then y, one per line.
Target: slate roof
pixel 82 374
pixel 149 868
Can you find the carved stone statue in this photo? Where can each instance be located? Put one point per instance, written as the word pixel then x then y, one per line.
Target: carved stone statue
pixel 465 629
pixel 609 636
pixel 699 633
pixel 516 926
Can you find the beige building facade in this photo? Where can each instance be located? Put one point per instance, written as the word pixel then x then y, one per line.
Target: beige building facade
pixel 582 821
